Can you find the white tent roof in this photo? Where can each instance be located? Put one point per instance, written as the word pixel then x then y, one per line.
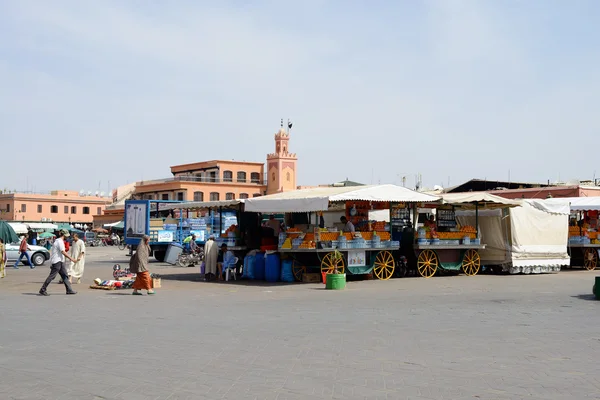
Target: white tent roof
pixel 317 199
pixel 19 228
pixel 575 203
pixel 483 198
pixel 202 205
pixel 42 226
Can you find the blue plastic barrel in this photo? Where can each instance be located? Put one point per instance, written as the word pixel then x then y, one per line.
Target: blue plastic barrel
pixel 272 267
pixel 259 267
pixel 286 271
pixel 248 272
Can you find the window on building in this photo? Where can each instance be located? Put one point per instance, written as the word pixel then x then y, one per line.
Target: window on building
pixel 8 208
pixel 255 177
pixel 198 196
pixel 99 211
pixel 229 196
pixel 227 176
pixel 54 209
pixel 214 196
pixel 241 176
pixel 180 196
pixel 73 209
pixel 256 195
pixel 243 195
pixel 213 176
pixel 66 209
pixel 39 208
pixel 149 197
pixel 23 207
pixel 165 196
pixel 86 210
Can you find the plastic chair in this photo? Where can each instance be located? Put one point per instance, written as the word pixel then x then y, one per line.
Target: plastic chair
pixel 229 267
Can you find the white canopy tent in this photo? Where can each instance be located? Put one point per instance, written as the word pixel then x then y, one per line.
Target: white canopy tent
pixel 19 228
pixel 531 238
pixel 42 226
pixel 318 199
pixel 575 203
pixel 481 198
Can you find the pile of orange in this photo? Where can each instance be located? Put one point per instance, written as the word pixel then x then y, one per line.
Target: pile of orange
pixel 328 236
pixel 307 245
pixel 468 229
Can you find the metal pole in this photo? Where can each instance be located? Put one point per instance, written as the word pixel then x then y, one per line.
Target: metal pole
pixel 220 221
pixel 477 219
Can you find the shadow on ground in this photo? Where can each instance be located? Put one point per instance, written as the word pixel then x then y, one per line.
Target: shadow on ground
pixel 585 297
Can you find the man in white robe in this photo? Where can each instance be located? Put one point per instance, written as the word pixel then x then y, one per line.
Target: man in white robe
pixel 78 254
pixel 211 252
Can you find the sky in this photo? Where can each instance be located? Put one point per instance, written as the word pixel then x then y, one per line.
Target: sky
pixel 97 94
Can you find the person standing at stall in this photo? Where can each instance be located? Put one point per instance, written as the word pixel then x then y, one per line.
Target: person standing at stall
pixel 211 252
pixel 348 226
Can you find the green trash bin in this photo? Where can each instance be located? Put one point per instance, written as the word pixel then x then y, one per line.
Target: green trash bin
pixel 335 281
pixel 596 288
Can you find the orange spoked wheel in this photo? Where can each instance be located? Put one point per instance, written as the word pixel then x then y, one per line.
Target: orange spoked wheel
pixel 590 259
pixel 427 263
pixel 384 265
pixel 471 262
pixel 331 262
pixel 298 270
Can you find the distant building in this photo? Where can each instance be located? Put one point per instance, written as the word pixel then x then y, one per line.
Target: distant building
pixel 520 190
pixel 224 179
pixel 58 206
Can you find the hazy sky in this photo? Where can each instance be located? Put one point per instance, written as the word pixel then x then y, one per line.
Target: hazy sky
pixel 119 90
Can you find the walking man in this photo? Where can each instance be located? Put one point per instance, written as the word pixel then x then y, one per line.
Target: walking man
pixel 57 259
pixel 23 248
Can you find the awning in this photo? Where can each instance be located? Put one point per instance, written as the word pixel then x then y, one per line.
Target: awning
pixel 576 203
pixel 482 199
pixel 317 199
pixel 19 228
pixel 116 225
pixel 203 205
pixel 41 226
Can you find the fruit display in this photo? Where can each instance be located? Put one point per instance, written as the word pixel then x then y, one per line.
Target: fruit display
pixel 329 236
pixel 378 226
pixel 468 229
pixel 307 245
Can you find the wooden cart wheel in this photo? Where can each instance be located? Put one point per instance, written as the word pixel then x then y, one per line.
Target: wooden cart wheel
pixel 427 263
pixel 331 261
pixel 471 262
pixel 384 265
pixel 590 259
pixel 298 270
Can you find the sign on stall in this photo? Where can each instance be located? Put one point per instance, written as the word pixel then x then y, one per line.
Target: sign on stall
pixel 165 236
pixel 357 258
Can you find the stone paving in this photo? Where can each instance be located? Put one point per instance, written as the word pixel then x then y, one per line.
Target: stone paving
pixel 484 337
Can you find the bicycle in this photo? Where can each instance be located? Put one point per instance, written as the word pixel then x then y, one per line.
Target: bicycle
pixel 122 245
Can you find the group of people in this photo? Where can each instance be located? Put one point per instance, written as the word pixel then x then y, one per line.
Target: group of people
pixel 58 253
pixel 216 261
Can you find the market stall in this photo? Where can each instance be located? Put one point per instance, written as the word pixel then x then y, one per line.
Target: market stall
pixel 442 244
pixel 530 238
pixel 583 243
pixel 357 245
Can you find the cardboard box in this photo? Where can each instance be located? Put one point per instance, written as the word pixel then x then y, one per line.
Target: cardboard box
pixel 156 283
pixel 311 278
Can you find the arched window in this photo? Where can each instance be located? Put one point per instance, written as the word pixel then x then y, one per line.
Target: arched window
pixel 229 196
pixel 241 176
pixel 255 177
pixel 86 210
pixel 214 196
pixel 227 176
pixel 54 209
pixel 243 195
pixel 198 196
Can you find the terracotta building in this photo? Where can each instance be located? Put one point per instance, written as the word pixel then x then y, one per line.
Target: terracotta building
pixel 226 180
pixel 58 206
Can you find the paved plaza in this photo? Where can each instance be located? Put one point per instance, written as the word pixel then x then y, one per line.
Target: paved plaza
pixel 483 337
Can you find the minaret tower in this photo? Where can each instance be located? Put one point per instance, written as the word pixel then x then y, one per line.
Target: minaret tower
pixel 281 165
